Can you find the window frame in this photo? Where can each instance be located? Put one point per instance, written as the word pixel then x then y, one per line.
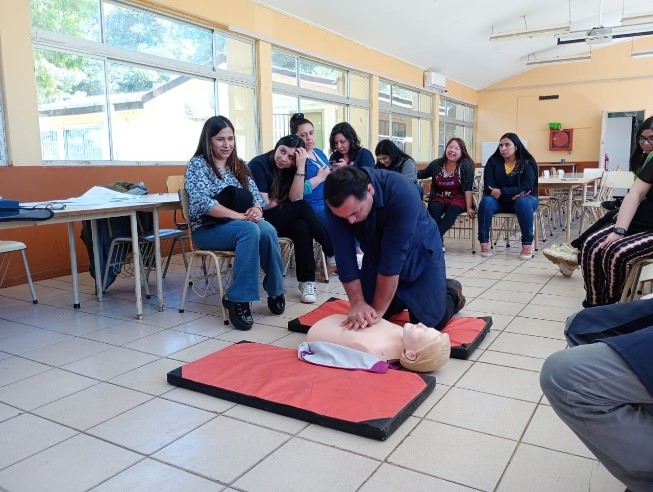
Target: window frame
pixel 107 54
pixel 466 124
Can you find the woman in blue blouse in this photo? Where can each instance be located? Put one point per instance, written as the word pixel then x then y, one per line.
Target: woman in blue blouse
pixel 509 185
pixel 317 164
pixel 226 213
pixel 346 148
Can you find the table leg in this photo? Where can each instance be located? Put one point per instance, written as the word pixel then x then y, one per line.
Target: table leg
pixel 570 202
pixel 73 264
pixel 157 256
pixel 136 256
pixel 99 280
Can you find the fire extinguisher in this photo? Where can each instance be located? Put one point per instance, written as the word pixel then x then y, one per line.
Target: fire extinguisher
pixel 607 161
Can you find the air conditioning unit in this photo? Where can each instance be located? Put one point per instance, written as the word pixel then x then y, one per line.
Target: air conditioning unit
pixel 435 81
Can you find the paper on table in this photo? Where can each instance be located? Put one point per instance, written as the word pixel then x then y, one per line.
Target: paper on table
pixel 99 195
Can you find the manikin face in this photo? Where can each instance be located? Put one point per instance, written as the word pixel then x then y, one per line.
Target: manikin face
pixel 453 152
pixel 646 145
pixel 307 133
pixel 354 210
pixel 507 149
pixel 284 157
pixel 342 144
pixel 222 144
pixel 384 159
pixel 415 337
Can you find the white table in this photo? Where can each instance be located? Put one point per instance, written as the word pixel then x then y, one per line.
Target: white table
pixel 128 208
pixel 568 183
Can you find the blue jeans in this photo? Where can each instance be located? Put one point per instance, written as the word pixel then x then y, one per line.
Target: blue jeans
pixel 256 246
pixel 524 207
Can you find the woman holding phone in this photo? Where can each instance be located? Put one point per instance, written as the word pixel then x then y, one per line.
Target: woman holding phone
pixel 346 148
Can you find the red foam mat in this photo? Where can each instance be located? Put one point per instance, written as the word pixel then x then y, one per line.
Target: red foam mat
pixel 465 334
pixel 274 379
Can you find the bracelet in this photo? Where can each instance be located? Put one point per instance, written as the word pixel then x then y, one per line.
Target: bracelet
pixel 301 175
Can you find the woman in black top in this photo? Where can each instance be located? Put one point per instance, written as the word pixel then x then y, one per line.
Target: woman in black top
pixel 279 176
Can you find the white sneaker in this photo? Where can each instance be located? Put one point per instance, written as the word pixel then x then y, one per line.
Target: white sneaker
pixel 308 290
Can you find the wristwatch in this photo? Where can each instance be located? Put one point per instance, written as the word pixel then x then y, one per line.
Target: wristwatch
pixel 619 230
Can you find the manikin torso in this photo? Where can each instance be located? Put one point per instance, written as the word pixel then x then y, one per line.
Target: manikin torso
pixel 384 339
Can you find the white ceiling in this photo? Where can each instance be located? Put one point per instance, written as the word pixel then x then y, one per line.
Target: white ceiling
pixel 452 36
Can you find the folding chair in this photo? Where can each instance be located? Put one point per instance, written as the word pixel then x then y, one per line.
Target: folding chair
pixel 8 247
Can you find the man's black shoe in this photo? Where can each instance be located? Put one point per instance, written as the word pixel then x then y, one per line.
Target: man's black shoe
pixel 277 305
pixel 457 288
pixel 239 314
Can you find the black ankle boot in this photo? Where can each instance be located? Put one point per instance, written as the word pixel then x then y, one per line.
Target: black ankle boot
pixel 277 305
pixel 239 314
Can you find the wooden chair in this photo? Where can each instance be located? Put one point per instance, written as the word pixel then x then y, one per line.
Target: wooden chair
pixel 6 249
pixel 609 181
pixel 213 266
pixel 173 185
pixel 636 275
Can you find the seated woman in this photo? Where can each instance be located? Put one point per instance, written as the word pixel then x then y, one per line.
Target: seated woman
pixel 226 213
pixel 392 158
pixel 416 346
pixel 565 255
pixel 509 185
pixel 279 175
pixel 346 148
pixel 607 255
pixel 317 164
pixel 452 180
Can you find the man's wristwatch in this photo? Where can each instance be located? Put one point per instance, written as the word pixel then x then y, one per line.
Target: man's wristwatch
pixel 619 230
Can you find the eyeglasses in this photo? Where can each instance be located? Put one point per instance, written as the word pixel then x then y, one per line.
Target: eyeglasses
pixel 50 206
pixel 648 140
pixel 297 116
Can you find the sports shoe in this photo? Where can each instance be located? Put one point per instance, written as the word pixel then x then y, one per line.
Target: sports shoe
pixel 457 288
pixel 563 255
pixel 308 290
pixel 486 250
pixel 277 305
pixel 526 252
pixel 239 314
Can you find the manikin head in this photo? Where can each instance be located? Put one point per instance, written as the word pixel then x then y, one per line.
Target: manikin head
pixel 425 349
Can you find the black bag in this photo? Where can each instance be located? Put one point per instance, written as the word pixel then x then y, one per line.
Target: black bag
pixel 234 198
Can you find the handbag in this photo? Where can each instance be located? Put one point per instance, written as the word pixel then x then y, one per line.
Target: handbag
pixel 234 198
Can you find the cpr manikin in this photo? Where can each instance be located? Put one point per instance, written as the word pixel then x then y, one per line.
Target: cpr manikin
pixel 416 346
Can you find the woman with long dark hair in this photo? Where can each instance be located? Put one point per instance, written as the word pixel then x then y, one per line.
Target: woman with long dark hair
pixel 452 180
pixel 279 175
pixel 509 185
pixel 346 148
pixel 226 213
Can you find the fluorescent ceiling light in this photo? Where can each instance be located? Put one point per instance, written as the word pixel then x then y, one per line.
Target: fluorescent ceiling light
pixel 605 34
pixel 536 31
pixel 559 59
pixel 641 54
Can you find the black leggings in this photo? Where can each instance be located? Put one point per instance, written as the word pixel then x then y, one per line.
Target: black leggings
pixel 297 220
pixel 444 215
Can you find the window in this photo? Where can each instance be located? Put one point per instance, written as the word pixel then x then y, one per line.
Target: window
pixel 325 94
pixel 3 141
pixel 456 120
pixel 406 118
pixel 120 83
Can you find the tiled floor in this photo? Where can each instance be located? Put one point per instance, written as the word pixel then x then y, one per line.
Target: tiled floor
pixel 84 402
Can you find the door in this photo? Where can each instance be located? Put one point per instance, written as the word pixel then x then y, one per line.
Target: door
pixel 618 130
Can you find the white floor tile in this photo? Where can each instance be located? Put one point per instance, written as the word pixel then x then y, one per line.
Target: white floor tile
pixel 391 478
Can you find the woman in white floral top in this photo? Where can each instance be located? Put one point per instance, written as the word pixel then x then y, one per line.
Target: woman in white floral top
pixel 226 213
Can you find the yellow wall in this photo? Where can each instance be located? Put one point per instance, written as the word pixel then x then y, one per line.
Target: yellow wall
pixel 611 81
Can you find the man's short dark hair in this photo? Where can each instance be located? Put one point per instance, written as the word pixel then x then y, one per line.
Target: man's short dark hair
pixel 345 182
